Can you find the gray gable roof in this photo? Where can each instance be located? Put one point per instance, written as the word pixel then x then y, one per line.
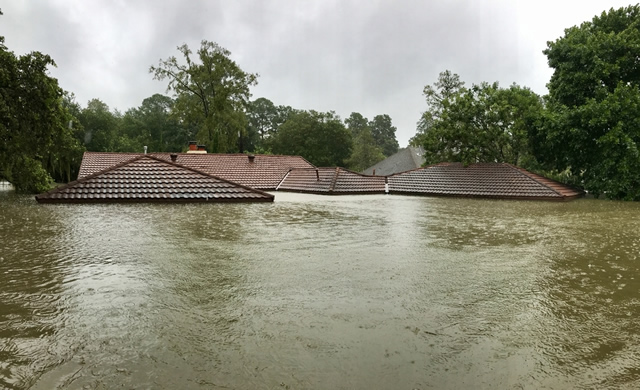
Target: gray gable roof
pixel 405 160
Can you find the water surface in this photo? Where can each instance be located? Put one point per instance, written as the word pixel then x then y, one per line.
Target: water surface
pixel 312 292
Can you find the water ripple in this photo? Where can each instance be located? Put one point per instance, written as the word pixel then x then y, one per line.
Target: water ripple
pixel 334 292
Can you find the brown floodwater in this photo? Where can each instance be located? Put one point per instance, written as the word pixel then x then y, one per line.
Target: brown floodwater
pixel 311 292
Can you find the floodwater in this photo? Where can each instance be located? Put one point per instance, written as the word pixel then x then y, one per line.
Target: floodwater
pixel 311 292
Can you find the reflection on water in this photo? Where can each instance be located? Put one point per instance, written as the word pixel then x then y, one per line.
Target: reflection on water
pixel 320 292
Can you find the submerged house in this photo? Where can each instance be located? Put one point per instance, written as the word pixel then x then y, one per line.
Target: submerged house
pixel 148 178
pixel 480 180
pixel 263 172
pixel 202 177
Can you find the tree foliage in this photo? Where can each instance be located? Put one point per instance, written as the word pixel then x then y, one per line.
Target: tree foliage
pixel 591 126
pixel 366 151
pixel 319 137
pixel 263 116
pixel 437 96
pixel 384 134
pixel 35 140
pixel 154 125
pixel 100 126
pixel 211 94
pixel 264 120
pixel 484 123
pixel 356 123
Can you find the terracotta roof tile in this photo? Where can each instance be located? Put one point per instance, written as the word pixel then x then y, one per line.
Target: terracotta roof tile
pixel 316 180
pixel 146 178
pixel 262 172
pixel 331 181
pixel 351 183
pixel 292 173
pixel 490 180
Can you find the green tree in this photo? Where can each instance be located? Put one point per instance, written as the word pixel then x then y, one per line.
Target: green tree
pixel 384 134
pixel 154 125
pixel 319 137
pixel 36 142
pixel 211 94
pixel 264 120
pixel 75 110
pixel 263 115
pixel 484 123
pixel 365 151
pixel 437 96
pixel 356 124
pixel 591 126
pixel 100 127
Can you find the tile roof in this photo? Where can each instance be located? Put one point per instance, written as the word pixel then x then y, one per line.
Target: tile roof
pixel 487 180
pixel 293 173
pixel 262 172
pixel 308 180
pixel 405 160
pixel 331 181
pixel 146 178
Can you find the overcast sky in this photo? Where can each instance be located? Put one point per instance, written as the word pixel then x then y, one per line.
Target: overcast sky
pixel 367 56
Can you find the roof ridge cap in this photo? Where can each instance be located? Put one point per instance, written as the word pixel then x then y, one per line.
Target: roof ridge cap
pixel 285 177
pixel 419 168
pixel 129 153
pixel 334 180
pixel 359 173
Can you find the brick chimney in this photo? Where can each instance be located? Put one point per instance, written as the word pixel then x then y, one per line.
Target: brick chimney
pixel 195 148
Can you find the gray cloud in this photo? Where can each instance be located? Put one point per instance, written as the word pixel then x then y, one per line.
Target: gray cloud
pixel 370 57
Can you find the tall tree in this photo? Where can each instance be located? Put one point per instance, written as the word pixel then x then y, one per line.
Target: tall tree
pixel 365 151
pixel 437 97
pixel 100 126
pixel 319 137
pixel 263 115
pixel 485 123
pixel 592 125
pixel 356 123
pixel 384 134
pixel 264 119
pixel 35 139
pixel 211 94
pixel 153 125
pixel 447 86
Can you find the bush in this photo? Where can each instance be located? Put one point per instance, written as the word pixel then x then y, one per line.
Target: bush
pixel 28 176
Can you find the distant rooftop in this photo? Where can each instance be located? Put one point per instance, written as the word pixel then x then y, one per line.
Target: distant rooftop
pixel 406 159
pixel 147 178
pixel 261 171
